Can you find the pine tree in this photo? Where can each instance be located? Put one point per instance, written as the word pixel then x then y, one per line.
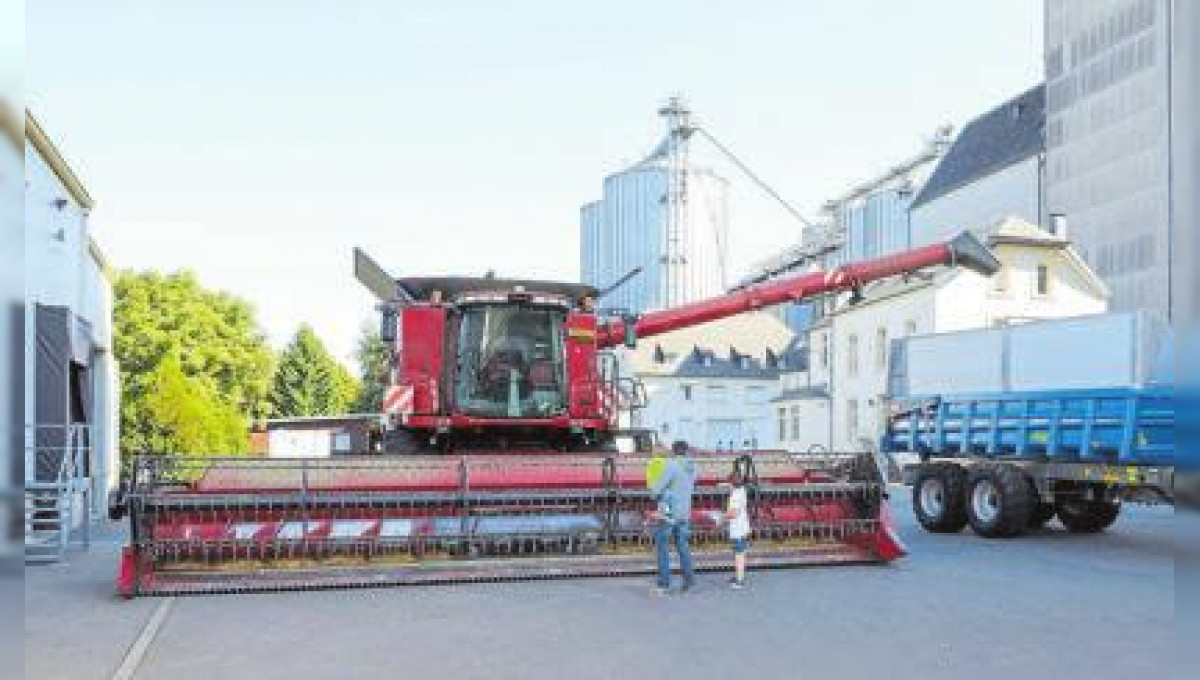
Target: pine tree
pixel 373 363
pixel 310 382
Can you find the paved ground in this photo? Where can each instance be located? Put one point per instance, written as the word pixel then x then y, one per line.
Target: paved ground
pixel 1046 606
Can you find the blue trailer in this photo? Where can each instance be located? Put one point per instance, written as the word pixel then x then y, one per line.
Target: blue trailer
pixel 1008 462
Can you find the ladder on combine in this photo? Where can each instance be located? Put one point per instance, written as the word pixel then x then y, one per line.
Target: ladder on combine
pixel 57 492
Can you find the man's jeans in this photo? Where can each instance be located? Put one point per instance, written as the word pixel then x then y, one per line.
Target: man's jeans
pixel 664 534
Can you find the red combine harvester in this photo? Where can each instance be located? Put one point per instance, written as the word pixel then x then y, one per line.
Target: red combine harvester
pixel 501 457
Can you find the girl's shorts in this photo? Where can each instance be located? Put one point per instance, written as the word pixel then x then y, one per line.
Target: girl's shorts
pixel 741 545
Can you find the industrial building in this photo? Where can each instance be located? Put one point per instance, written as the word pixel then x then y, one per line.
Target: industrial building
pixel 71 394
pixel 870 220
pixel 662 214
pixel 1109 95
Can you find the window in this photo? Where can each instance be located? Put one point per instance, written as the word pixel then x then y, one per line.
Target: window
pixel 666 428
pixel 881 348
pixel 852 356
pixel 796 423
pixel 687 392
pixel 1043 280
pixel 825 351
pixel 782 424
pixel 717 394
pixel 756 395
pixel 910 328
pixel 851 419
pixel 340 442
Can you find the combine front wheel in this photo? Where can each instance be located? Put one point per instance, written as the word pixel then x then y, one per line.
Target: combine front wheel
pixel 401 441
pixel 939 498
pixel 1000 500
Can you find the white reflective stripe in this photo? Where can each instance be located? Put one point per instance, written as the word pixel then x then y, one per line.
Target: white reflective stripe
pixel 351 528
pixel 398 399
pixel 293 529
pixel 396 527
pixel 247 531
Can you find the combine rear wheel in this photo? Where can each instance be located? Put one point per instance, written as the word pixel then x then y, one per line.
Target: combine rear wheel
pixel 939 497
pixel 1000 500
pixel 1087 517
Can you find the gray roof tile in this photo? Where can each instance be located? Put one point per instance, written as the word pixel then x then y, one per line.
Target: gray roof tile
pixel 1007 134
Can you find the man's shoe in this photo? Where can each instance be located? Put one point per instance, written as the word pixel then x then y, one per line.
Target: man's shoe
pixel 659 591
pixel 687 588
pixel 737 584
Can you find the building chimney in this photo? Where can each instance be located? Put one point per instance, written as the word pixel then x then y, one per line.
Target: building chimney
pixel 1058 225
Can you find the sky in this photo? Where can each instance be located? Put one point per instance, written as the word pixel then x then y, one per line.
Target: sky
pixel 257 143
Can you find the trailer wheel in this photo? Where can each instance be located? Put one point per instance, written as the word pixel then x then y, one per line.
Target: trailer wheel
pixel 940 497
pixel 1087 517
pixel 1000 500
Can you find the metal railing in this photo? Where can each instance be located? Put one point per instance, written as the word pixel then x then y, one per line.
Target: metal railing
pixel 58 489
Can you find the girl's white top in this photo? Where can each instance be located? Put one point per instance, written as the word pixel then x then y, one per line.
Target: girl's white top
pixel 739 525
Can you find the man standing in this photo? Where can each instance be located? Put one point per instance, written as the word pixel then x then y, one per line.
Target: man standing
pixel 673 489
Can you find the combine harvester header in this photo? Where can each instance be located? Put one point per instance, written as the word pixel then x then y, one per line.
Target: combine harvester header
pixel 499 461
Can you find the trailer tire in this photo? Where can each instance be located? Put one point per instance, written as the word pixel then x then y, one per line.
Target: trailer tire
pixel 940 497
pixel 1087 517
pixel 1000 500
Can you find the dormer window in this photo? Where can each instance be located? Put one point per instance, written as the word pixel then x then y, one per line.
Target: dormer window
pixel 659 356
pixel 771 360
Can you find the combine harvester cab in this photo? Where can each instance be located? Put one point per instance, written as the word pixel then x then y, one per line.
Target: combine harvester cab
pixel 500 458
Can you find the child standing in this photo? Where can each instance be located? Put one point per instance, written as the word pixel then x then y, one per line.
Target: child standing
pixel 739 528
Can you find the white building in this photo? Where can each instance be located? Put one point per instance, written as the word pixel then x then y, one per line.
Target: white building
pixel 850 350
pixel 801 409
pixel 12 292
pixel 711 385
pixel 992 171
pixel 664 215
pixel 1109 95
pixel 71 394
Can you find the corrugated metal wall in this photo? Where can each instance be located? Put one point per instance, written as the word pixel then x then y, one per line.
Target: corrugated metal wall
pixel 628 228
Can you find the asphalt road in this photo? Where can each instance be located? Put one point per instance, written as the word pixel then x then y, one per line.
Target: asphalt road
pixel 1051 605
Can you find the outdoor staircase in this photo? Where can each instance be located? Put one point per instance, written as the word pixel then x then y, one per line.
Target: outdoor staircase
pixel 57 494
pixel 48 521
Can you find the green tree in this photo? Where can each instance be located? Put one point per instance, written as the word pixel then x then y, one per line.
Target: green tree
pixel 310 382
pixel 220 353
pixel 373 363
pixel 186 415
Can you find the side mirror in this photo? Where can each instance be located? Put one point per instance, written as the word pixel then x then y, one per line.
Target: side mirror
pixel 387 325
pixel 629 322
